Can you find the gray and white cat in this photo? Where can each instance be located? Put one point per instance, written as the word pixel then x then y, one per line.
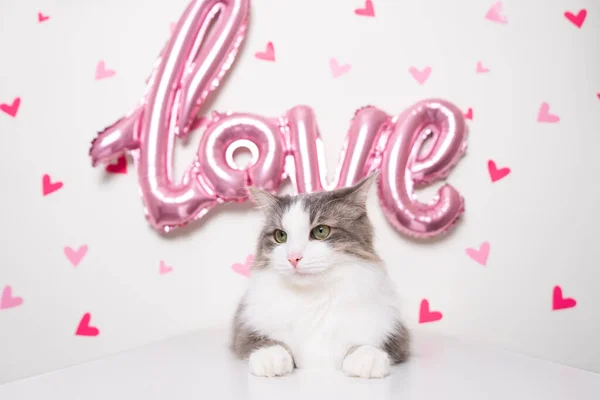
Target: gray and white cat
pixel 319 295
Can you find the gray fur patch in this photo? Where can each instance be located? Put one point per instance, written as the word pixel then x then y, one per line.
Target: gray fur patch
pixel 397 345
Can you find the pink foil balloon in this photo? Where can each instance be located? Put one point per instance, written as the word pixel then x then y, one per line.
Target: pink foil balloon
pixel 308 170
pixel 215 155
pixel 191 66
pixel 403 166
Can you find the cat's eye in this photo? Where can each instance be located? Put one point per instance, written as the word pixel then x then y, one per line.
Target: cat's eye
pixel 280 236
pixel 320 232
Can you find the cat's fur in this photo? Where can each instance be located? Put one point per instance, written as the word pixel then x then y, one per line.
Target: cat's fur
pixel 337 309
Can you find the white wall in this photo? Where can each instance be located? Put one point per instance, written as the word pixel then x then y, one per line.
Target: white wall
pixel 539 220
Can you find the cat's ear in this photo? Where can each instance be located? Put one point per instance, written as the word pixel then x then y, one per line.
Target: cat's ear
pixel 359 193
pixel 261 198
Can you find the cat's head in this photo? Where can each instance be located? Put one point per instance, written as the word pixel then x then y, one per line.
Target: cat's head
pixel 306 237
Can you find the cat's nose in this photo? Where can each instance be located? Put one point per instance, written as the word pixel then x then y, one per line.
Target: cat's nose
pixel 294 260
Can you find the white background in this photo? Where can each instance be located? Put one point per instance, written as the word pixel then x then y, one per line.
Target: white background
pixel 539 221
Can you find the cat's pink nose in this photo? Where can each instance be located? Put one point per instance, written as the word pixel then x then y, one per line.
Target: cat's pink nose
pixel 294 260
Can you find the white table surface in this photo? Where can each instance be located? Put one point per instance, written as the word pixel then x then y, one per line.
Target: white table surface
pixel 198 366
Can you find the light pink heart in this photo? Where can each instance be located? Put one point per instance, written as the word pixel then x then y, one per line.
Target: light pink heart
pixel 481 69
pixel 8 300
pixel 544 114
pixel 245 268
pixel 268 54
pixel 338 69
pixel 480 255
pixel 75 256
pixel 163 268
pixel 102 72
pixel 420 76
pixel 494 14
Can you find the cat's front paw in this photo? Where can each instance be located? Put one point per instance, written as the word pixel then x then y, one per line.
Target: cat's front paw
pixel 367 362
pixel 271 361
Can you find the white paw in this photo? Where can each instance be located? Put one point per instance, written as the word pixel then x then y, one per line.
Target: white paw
pixel 367 362
pixel 271 361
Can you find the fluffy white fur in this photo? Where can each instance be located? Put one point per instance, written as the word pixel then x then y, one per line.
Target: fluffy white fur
pixel 330 304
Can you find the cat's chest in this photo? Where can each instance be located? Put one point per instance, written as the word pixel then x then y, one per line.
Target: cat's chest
pixel 318 328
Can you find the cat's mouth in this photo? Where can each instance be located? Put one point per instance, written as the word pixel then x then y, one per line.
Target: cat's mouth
pixel 307 271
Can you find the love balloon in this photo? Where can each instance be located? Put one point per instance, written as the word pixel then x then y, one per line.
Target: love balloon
pixel 191 66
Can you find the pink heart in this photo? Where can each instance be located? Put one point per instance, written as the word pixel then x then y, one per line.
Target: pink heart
pixel 42 17
pixel 367 11
pixel 425 315
pixel 245 268
pixel 84 328
pixel 497 173
pixel 48 186
pixel 469 114
pixel 338 69
pixel 75 256
pixel 545 116
pixel 481 255
pixel 7 300
pixel 420 75
pixel 163 268
pixel 481 69
pixel 102 72
pixel 268 54
pixel 494 14
pixel 171 27
pixel 13 108
pixel 578 19
pixel 559 302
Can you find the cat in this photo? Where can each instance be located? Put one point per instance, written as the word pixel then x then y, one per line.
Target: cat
pixel 319 295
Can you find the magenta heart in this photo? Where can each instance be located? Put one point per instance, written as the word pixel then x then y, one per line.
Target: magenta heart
pixel 426 315
pixel 48 186
pixel 84 328
pixel 469 114
pixel 42 17
pixel 559 302
pixel 75 256
pixel 13 108
pixel 8 300
pixel 119 167
pixel 578 19
pixel 480 255
pixel 497 173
